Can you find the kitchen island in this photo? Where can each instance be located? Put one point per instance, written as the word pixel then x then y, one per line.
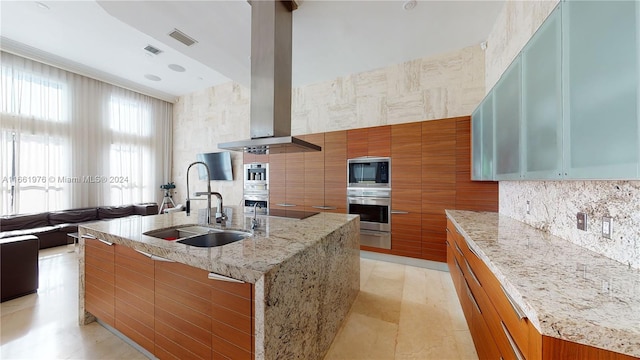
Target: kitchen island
pixel 300 276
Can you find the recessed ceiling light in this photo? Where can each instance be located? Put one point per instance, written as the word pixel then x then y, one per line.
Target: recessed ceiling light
pixel 152 77
pixel 409 5
pixel 42 6
pixel 176 67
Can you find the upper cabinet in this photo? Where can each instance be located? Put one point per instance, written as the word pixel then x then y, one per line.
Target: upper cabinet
pixel 542 105
pixel 600 80
pixel 507 104
pixel 567 107
pixel 482 141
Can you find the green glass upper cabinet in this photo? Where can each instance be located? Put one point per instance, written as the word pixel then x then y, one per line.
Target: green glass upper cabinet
pixel 542 105
pixel 600 80
pixel 487 138
pixel 476 144
pixel 507 102
pixel 482 140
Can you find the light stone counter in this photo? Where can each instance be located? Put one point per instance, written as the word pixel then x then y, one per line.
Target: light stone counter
pixel 567 292
pixel 306 273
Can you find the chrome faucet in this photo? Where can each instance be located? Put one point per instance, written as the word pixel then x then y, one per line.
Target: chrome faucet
pixel 208 192
pixel 220 215
pixel 254 221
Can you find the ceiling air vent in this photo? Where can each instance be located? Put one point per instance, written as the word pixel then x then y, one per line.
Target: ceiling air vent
pixel 153 50
pixel 182 37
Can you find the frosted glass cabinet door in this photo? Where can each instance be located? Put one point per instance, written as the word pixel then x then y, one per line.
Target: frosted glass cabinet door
pixel 487 138
pixel 542 105
pixel 600 71
pixel 476 144
pixel 507 104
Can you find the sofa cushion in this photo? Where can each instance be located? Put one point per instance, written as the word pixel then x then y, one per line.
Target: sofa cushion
pixel 112 212
pixel 35 231
pixel 26 221
pixel 73 216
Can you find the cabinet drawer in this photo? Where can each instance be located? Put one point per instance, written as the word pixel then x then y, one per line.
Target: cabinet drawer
pixel 510 313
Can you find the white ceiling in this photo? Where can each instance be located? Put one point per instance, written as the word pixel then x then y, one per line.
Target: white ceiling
pixel 105 39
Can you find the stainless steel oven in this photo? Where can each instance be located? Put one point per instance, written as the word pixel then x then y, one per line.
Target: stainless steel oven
pixel 374 208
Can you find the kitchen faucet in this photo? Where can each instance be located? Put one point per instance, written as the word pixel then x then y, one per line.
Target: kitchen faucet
pixel 197 194
pixel 254 221
pixel 220 215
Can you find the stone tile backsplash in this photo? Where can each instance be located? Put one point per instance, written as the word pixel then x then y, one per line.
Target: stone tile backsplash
pixel 555 204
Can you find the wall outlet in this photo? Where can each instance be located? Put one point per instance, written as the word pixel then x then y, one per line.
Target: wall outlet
pixel 528 207
pixel 582 221
pixel 607 227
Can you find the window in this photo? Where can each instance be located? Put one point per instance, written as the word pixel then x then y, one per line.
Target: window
pixel 67 141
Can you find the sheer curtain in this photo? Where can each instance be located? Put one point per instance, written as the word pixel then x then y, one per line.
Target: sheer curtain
pixel 68 141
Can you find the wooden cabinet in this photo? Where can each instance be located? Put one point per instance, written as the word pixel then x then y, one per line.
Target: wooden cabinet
pixel 498 327
pixel 232 319
pixel 406 184
pixel 99 274
pixel 277 181
pixel 294 180
pixel 182 312
pixel 172 310
pixel 134 296
pixel 314 176
pixel 248 158
pixel 438 184
pixel 335 171
pixel 374 141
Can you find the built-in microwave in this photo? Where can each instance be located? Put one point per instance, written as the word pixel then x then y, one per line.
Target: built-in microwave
pixel 369 172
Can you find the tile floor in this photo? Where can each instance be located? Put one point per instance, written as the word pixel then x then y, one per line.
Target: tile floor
pixel 402 312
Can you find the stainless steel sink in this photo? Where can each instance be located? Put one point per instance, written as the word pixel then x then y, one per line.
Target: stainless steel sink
pixel 172 233
pixel 216 238
pixel 199 236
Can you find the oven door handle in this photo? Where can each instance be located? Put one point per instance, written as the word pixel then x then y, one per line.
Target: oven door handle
pixel 365 199
pixel 374 233
pixel 399 212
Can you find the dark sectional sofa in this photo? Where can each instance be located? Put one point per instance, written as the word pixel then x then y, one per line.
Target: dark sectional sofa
pixel 52 228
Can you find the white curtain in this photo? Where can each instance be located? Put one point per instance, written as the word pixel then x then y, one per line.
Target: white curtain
pixel 68 141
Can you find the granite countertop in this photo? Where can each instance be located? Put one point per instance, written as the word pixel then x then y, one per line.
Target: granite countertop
pixel 567 291
pixel 274 242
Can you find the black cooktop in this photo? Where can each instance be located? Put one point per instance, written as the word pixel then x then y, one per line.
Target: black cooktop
pixel 292 214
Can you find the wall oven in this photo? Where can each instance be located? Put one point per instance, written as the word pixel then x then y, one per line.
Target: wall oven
pixel 369 172
pixel 256 187
pixel 374 208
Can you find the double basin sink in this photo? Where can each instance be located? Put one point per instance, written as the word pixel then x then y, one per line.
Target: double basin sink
pixel 199 236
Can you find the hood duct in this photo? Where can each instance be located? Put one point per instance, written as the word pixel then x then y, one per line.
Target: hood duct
pixel 270 123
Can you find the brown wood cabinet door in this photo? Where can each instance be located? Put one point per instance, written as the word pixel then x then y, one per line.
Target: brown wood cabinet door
pixel 232 320
pixel 486 347
pixel 182 312
pixel 335 171
pixel 295 180
pixel 99 270
pixel 406 184
pixel 357 143
pixel 248 158
pixel 134 294
pixel 438 184
pixel 471 195
pixel 277 180
pixel 379 141
pixel 314 174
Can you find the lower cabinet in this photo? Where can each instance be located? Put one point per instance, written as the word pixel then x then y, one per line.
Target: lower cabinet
pixel 172 310
pixel 500 330
pixel 99 277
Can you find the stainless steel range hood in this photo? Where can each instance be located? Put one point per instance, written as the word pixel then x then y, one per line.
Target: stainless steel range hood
pixel 270 123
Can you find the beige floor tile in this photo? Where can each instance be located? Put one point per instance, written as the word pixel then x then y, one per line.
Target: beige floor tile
pixel 363 337
pixel 464 342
